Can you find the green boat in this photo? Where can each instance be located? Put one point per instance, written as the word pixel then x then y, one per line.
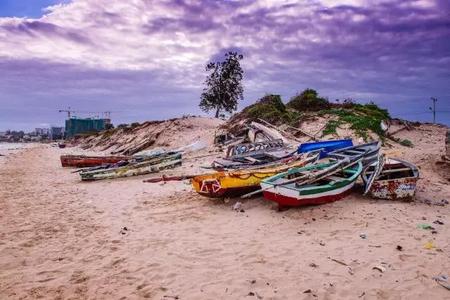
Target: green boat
pixel 315 184
pixel 141 167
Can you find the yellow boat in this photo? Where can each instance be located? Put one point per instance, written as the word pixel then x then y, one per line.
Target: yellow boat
pixel 238 182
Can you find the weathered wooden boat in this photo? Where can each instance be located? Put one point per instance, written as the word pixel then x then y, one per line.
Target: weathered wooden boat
pixel 252 154
pixel 368 152
pixel 311 185
pixel 325 146
pixel 238 182
pixel 396 180
pixel 153 164
pixel 83 161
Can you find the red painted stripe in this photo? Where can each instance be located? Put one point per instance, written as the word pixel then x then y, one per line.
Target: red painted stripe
pixel 289 201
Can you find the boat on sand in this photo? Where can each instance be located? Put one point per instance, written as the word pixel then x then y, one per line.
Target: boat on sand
pixel 84 161
pixel 396 180
pixel 311 185
pixel 141 166
pixel 325 146
pixel 368 152
pixel 238 182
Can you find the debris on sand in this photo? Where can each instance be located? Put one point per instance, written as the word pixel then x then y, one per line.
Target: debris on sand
pixel 380 268
pixel 237 206
pixel 443 280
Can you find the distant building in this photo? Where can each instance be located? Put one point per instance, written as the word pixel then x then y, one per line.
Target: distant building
pixel 75 126
pixel 56 133
pixel 42 131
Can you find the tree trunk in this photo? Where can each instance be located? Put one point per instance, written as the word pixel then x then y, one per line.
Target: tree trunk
pixel 217 112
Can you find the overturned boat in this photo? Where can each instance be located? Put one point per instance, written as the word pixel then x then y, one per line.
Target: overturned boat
pixel 238 182
pixel 396 180
pixel 84 161
pixel 140 166
pixel 311 185
pixel 325 146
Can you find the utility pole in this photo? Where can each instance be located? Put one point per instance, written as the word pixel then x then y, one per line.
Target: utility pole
pixel 434 109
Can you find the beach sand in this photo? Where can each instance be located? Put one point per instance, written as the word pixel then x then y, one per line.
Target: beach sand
pixel 65 239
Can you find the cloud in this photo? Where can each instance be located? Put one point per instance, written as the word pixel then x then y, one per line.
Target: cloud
pixel 103 49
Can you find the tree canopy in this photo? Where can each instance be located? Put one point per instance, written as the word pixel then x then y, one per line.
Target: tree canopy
pixel 223 85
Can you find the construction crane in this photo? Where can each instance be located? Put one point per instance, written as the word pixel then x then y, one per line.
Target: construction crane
pixel 106 114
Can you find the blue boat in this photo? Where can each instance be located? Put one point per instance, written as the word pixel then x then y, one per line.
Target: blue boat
pixel 326 146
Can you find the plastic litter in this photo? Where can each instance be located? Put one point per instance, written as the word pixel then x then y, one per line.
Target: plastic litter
pixel 429 246
pixel 443 281
pixel 425 226
pixel 379 268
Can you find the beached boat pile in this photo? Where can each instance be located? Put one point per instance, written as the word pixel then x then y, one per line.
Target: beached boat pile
pixel 308 174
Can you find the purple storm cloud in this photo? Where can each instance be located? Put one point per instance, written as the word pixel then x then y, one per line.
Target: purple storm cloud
pixel 145 59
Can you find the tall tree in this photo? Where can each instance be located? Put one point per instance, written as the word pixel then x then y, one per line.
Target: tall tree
pixel 223 85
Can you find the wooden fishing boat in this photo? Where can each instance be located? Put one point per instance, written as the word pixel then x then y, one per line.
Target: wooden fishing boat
pixel 368 152
pixel 252 154
pixel 325 146
pixel 238 182
pixel 141 167
pixel 83 161
pixel 311 185
pixel 397 180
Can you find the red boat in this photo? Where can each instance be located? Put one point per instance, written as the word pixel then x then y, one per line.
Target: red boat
pixel 83 161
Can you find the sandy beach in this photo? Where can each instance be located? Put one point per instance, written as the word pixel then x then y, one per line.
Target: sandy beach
pixel 123 239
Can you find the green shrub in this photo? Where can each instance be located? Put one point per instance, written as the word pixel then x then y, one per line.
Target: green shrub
pixel 362 118
pixel 271 109
pixel 406 143
pixel 308 100
pixel 331 126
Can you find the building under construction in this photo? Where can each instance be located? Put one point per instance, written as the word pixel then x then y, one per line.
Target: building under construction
pixel 76 126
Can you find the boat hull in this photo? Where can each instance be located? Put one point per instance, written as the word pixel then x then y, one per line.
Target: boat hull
pixel 292 198
pixel 326 146
pixel 401 185
pixel 237 183
pixel 80 161
pixel 214 190
pixel 224 185
pixel 142 168
pixel 395 189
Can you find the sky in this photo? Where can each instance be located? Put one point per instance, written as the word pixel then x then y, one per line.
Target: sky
pixel 145 60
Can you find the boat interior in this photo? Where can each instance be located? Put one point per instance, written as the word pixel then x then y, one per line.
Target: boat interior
pixel 394 170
